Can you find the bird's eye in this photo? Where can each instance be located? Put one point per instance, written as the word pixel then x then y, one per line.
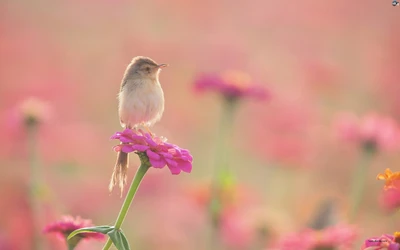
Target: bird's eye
pixel 148 69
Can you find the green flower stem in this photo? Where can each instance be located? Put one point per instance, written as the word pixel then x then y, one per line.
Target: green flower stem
pixel 70 247
pixel 108 244
pixel 224 135
pixel 144 166
pixel 358 183
pixel 222 175
pixel 34 185
pixel 72 243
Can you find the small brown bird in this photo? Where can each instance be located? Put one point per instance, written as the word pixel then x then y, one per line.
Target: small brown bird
pixel 141 103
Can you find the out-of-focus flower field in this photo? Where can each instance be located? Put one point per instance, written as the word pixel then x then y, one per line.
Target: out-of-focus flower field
pixel 286 157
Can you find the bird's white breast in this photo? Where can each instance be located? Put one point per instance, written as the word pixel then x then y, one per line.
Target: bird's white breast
pixel 141 102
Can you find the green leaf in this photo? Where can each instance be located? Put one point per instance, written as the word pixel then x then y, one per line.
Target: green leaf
pixel 98 229
pixel 119 239
pixel 125 241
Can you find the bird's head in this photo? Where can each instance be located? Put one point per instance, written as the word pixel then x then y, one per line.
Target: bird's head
pixel 146 67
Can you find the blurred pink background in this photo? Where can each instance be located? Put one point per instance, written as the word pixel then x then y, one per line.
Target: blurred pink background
pixel 318 59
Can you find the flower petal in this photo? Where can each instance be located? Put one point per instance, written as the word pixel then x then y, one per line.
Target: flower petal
pixel 116 136
pixel 160 163
pixel 117 148
pixel 381 177
pixel 127 131
pixel 185 166
pixel 125 139
pixel 171 163
pixel 167 155
pixel 152 155
pixel 127 148
pixel 141 148
pixel 174 170
pixel 151 142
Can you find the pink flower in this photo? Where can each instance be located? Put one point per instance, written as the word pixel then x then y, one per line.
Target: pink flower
pixel 237 228
pixel 300 241
pixel 372 130
pixel 27 112
pixel 159 152
pixel 5 243
pixel 68 224
pixel 339 237
pixel 390 199
pixel 176 225
pixel 32 110
pixel 385 242
pixel 232 85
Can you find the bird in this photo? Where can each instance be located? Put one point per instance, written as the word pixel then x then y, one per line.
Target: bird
pixel 141 104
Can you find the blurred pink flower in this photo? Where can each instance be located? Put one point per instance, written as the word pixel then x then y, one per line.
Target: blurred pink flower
pixel 159 152
pixel 68 224
pixel 18 115
pixel 372 130
pixel 385 242
pixel 5 243
pixel 319 73
pixel 390 199
pixel 339 237
pixel 30 111
pixel 237 228
pixel 285 131
pixel 232 85
pixel 176 225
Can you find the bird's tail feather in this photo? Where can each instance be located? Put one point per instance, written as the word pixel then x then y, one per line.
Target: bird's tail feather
pixel 119 172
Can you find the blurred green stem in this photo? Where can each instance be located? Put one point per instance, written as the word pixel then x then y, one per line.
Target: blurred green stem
pixel 358 183
pixel 224 137
pixel 222 175
pixel 34 185
pixel 281 176
pixel 144 166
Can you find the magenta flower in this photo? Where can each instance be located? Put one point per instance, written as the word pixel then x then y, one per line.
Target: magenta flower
pixel 159 152
pixel 68 224
pixel 340 237
pixel 372 130
pixel 232 85
pixel 385 242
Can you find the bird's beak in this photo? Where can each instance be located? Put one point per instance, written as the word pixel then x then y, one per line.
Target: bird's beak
pixel 163 65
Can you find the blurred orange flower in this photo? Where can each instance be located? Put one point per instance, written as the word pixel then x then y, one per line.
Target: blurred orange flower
pixel 390 178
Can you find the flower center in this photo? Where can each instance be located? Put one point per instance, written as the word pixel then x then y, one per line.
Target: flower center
pixel 237 79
